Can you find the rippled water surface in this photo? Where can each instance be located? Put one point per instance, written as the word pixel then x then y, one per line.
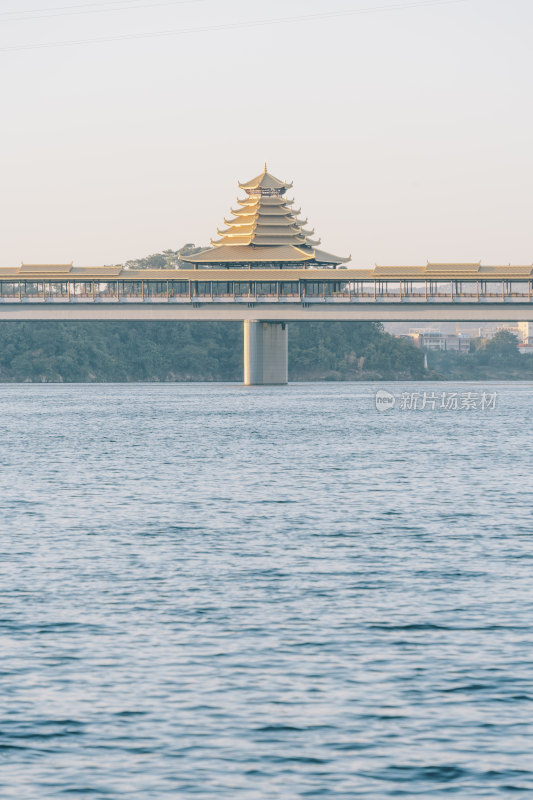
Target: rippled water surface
pixel 216 592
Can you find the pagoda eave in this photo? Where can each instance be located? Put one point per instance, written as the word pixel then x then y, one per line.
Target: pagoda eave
pixel 250 254
pixel 265 182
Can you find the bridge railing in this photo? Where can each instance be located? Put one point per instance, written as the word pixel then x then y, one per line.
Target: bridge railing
pixel 305 290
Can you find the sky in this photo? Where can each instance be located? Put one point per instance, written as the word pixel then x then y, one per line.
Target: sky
pixel 407 130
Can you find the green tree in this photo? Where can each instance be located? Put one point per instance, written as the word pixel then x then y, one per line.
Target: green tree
pixel 168 259
pixel 503 345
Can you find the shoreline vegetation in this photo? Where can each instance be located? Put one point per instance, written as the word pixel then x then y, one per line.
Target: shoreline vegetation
pixel 115 352
pixel 195 351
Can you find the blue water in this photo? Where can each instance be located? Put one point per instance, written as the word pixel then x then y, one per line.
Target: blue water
pixel 216 592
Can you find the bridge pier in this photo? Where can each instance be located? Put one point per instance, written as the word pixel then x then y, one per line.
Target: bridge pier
pixel 266 353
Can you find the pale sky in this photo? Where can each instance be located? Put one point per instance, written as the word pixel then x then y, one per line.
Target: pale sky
pixel 408 133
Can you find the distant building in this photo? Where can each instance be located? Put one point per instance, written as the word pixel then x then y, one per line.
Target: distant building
pixel 488 331
pixel 435 340
pixel 525 333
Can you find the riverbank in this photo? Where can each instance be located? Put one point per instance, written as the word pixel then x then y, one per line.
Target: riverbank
pixel 115 352
pixel 72 352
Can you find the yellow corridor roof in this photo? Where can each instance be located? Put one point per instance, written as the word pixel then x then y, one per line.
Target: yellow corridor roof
pixel 307 264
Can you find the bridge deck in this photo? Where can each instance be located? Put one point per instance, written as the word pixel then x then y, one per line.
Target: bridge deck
pixel 274 312
pixel 112 293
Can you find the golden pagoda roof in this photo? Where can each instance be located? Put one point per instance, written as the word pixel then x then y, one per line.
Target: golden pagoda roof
pixel 321 257
pixel 276 230
pixel 276 221
pixel 272 211
pixel 236 254
pixel 278 241
pixel 265 181
pixel 237 230
pixel 266 200
pixel 264 221
pixel 241 239
pixel 242 219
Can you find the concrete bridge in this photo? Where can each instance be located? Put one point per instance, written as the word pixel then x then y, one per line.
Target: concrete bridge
pixel 266 299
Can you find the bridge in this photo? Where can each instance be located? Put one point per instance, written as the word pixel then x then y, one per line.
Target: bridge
pixel 265 299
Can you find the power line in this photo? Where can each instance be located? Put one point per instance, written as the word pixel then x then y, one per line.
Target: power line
pixel 235 25
pixel 77 7
pixel 91 8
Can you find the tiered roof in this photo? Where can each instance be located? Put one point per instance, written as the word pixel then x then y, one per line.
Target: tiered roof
pixel 265 228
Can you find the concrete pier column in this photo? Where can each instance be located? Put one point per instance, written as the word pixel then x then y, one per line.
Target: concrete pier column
pixel 266 353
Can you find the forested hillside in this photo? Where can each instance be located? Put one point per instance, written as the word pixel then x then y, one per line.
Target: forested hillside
pixel 195 351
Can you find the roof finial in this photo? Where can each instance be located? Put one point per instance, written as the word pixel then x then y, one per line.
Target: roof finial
pixel 266 170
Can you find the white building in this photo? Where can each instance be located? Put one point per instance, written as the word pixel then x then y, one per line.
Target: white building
pixel 488 331
pixel 435 340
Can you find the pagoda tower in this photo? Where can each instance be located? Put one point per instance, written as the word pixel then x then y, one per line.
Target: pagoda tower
pixel 265 231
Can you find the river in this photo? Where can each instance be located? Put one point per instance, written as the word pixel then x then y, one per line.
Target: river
pixel 210 591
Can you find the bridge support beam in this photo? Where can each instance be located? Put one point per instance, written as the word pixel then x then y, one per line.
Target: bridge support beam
pixel 266 353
